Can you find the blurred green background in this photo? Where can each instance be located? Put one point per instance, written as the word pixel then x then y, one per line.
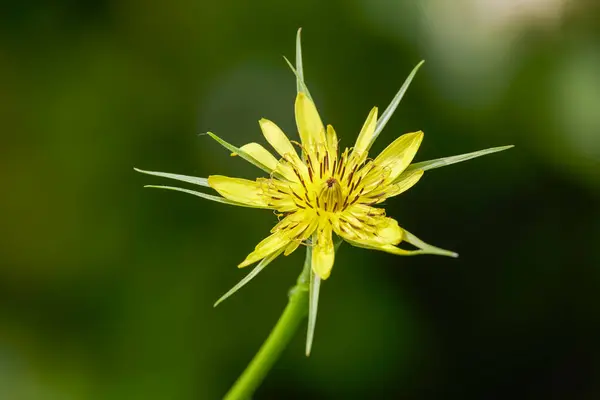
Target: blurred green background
pixel 106 288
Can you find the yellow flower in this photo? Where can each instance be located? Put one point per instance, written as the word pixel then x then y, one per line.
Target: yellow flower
pixel 323 191
pixel 317 190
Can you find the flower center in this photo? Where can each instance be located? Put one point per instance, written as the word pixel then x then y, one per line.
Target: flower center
pixel 330 197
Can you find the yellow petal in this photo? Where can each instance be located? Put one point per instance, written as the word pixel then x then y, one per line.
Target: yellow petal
pixel 277 138
pixel 408 180
pixel 332 142
pixel 398 155
pixel 260 154
pixel 374 178
pixel 423 248
pixel 280 194
pixel 264 157
pixel 365 137
pixel 380 194
pixel 368 225
pixel 296 223
pixel 297 227
pixel 265 248
pixel 290 248
pixel 288 233
pixel 323 253
pixel 309 123
pixel 240 190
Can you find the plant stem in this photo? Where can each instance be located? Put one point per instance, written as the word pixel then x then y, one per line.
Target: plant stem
pixel 293 314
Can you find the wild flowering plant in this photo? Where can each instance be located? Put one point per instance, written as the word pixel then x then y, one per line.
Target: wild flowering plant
pixel 317 190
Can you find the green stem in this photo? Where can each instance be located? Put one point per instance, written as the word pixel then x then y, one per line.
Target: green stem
pixel 295 311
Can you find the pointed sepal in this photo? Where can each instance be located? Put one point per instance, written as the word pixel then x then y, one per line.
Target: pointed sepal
pixel 182 178
pixel 255 271
pixel 444 161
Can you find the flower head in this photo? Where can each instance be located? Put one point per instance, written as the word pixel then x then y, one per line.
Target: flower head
pixel 322 190
pixel 317 190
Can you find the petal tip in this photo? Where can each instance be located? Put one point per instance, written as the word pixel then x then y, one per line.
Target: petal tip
pixel 323 275
pixel 419 135
pixel 264 122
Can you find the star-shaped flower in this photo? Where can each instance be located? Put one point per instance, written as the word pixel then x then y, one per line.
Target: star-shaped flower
pixel 317 190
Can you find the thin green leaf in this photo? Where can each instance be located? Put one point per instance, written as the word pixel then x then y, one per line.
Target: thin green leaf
pixel 426 247
pixel 183 178
pixel 211 197
pixel 265 261
pixel 387 114
pixel 299 67
pixel 442 162
pixel 313 304
pixel 239 152
pixel 299 80
pixel 313 296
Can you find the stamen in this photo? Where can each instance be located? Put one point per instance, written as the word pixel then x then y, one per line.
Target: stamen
pixel 352 173
pixel 307 199
pixel 345 203
pixel 309 159
pixel 352 187
pixel 297 195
